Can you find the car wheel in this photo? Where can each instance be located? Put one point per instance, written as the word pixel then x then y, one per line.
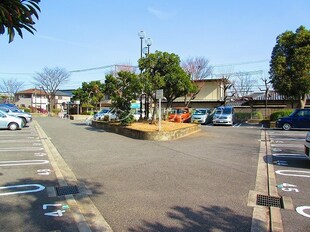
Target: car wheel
pixel 286 126
pixel 13 126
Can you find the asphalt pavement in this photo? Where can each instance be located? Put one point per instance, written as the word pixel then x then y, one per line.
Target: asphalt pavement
pixel 196 183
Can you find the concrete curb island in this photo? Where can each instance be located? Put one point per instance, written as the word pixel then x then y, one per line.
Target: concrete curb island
pixel 147 135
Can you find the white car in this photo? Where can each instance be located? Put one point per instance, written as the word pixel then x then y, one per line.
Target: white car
pixel 307 145
pixel 105 113
pixel 10 122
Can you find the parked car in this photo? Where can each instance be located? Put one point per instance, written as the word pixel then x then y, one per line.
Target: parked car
pixel 307 145
pixel 105 113
pixel 9 105
pixel 299 118
pixel 202 116
pixel 14 111
pixel 224 115
pixel 180 115
pixel 10 122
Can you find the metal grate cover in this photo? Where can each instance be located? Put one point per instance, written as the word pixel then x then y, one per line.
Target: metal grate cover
pixel 269 201
pixel 66 190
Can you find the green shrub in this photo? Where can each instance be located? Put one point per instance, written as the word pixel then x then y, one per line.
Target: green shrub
pixel 87 113
pixel 278 114
pixel 258 115
pixel 56 111
pixel 27 110
pixel 242 116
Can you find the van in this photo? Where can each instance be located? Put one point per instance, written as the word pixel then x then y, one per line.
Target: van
pixel 224 115
pixel 299 118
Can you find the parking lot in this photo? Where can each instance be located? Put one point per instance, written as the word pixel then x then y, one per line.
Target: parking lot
pixel 196 183
pixel 292 170
pixel 25 176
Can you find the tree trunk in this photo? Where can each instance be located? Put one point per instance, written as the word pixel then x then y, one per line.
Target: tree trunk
pixel 302 101
pixel 154 111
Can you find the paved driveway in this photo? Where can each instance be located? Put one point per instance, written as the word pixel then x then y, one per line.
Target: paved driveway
pixel 197 183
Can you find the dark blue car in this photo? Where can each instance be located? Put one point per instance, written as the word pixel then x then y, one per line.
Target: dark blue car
pixel 300 118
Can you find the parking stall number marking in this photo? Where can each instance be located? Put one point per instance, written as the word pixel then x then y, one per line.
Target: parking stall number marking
pixel 284 187
pixel 40 154
pixel 37 188
pixel 44 172
pixel 58 212
pixel 281 163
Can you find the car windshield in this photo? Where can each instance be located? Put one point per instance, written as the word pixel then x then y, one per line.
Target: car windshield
pixel 178 111
pixel 223 111
pixel 200 112
pixel 104 111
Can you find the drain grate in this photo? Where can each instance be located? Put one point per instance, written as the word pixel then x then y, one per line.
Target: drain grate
pixel 66 190
pixel 269 201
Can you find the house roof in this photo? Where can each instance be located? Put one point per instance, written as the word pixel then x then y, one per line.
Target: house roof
pixel 208 80
pixel 41 92
pixel 32 91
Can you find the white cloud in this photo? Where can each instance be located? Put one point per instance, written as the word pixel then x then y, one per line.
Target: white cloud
pixel 162 15
pixel 53 39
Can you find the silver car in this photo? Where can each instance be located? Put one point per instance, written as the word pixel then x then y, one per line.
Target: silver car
pixel 201 115
pixel 307 145
pixel 10 122
pixel 18 113
pixel 105 113
pixel 224 115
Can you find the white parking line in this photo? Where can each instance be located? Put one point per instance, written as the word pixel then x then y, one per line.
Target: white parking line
pixel 286 145
pixel 22 162
pixel 38 188
pixel 6 149
pixel 284 139
pixel 293 156
pixel 19 141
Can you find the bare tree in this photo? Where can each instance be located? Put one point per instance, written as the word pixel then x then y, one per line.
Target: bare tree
pixel 267 84
pixel 50 79
pixel 11 87
pixel 199 69
pixel 123 67
pixel 243 84
pixel 226 84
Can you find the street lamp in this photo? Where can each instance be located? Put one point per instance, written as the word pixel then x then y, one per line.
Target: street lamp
pixel 141 34
pixel 148 42
pixel 146 51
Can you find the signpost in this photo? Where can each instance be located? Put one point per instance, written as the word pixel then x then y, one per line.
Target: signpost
pixel 159 96
pixel 77 102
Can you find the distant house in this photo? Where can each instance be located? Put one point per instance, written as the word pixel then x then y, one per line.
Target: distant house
pixel 211 94
pixel 273 100
pixel 36 98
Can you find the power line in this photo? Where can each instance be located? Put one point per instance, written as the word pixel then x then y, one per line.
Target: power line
pixel 241 63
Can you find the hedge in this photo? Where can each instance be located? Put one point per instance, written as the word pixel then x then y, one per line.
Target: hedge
pixel 278 114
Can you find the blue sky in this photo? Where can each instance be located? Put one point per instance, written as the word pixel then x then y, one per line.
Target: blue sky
pixel 76 34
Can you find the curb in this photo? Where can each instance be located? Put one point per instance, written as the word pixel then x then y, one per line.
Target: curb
pixel 148 135
pixel 266 218
pixel 86 215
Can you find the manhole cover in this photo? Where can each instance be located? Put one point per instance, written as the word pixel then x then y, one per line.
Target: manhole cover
pixel 66 190
pixel 269 201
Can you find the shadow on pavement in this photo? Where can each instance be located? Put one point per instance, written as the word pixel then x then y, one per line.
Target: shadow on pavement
pixel 24 212
pixel 213 218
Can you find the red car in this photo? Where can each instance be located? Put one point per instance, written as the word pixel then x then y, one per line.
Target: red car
pixel 179 115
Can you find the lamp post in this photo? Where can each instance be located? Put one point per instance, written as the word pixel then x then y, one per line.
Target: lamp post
pixel 141 34
pixel 148 42
pixel 146 51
